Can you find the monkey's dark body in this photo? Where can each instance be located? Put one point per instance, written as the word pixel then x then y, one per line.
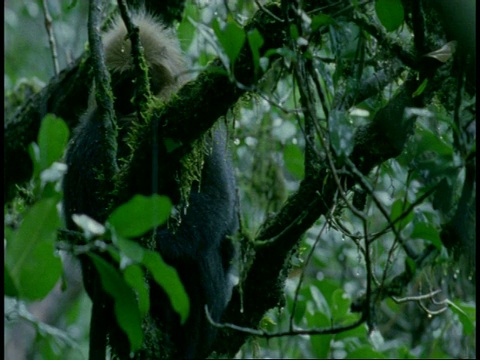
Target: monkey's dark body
pixel 201 252
pixel 199 249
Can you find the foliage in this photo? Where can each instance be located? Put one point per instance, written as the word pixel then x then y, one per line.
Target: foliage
pixel 349 104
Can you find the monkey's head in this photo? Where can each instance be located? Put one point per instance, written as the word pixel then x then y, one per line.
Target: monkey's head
pixel 162 54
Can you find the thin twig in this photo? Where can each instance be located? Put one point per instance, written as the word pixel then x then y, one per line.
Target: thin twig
pixel 416 297
pixel 263 8
pixel 302 275
pixel 51 37
pixel 267 335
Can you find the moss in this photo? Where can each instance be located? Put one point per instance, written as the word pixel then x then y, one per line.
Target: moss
pixel 191 166
pixel 191 158
pixel 19 95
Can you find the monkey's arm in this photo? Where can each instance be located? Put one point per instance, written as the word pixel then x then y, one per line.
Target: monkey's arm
pixel 88 188
pixel 91 161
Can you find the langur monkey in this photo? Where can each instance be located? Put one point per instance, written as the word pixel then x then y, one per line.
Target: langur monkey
pixel 200 247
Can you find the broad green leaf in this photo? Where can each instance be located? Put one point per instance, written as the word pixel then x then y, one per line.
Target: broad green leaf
pixel 293 157
pixel 300 308
pixel 321 304
pixel 317 319
pixel 321 20
pixel 360 332
pixel 433 155
pixel 365 352
pixel 134 277
pixel 321 346
pixel 398 208
pixel 167 277
pixel 390 13
pixel 9 287
pixel 410 265
pixel 255 40
pixel 466 314
pixel 428 141
pixel 131 249
pixel 52 140
pixel 428 232
pixel 294 34
pixel 33 267
pixel 340 304
pixel 140 215
pixel 231 38
pixel 125 305
pixel 186 29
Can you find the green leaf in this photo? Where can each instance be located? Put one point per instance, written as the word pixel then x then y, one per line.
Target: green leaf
pixel 186 29
pixel 125 305
pixel 32 265
pixel 429 141
pixel 9 287
pixel 421 88
pixel 340 304
pixel 52 140
pixel 171 144
pixel 300 309
pixel 321 304
pixel 293 157
pixel 398 208
pixel 321 345
pixel 360 332
pixel 365 352
pixel 321 20
pixel 231 38
pixel 134 277
pixel 268 324
pixel 294 33
pixel 317 319
pixel 410 265
pixel 433 155
pixel 255 41
pixel 140 215
pixel 167 277
pixel 466 314
pixel 131 249
pixel 390 13
pixel 428 232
